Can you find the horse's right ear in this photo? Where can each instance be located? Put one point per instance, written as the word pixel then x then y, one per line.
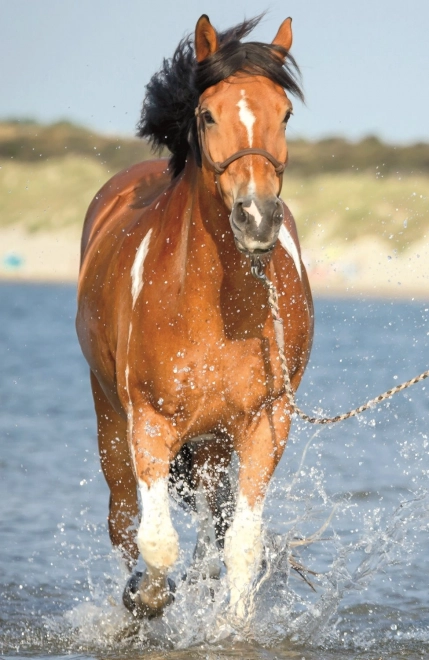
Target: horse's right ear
pixel 206 41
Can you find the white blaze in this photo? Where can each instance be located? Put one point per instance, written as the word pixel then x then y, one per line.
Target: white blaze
pixel 137 267
pixel 246 116
pixel 254 211
pixel 289 245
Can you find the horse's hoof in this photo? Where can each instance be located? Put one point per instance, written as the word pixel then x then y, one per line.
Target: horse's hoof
pixel 139 604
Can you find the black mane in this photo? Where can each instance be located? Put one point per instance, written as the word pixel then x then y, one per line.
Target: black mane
pixel 168 113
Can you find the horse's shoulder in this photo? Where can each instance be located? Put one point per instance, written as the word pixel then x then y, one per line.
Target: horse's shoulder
pixel 290 224
pixel 136 187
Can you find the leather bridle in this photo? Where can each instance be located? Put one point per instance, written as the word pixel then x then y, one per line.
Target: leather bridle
pixel 219 168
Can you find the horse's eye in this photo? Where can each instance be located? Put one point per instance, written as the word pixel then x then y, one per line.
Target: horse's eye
pixel 208 118
pixel 287 116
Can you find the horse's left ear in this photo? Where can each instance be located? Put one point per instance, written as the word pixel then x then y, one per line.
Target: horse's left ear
pixel 206 41
pixel 284 35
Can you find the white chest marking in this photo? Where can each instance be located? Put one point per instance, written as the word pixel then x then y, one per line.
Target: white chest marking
pixel 254 211
pixel 246 116
pixel 137 267
pixel 289 245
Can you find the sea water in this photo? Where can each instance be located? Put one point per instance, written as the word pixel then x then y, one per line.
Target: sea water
pixel 348 502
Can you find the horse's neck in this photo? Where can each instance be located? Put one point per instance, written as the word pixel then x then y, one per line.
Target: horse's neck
pixel 210 239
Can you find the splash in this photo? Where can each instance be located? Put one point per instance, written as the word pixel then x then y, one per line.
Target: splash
pixel 323 555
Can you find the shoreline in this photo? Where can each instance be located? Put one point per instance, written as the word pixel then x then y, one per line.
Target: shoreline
pixel 364 269
pixel 318 292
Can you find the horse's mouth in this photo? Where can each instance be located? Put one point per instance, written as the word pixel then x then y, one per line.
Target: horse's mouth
pixel 256 252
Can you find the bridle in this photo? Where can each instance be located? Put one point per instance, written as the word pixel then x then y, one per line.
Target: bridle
pixel 219 168
pixel 257 270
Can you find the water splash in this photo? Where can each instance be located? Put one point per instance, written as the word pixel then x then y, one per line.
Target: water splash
pixel 366 541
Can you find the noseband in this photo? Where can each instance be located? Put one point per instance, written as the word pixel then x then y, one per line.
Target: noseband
pixel 219 168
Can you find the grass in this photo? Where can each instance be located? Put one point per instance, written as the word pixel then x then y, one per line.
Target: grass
pixel 329 208
pixel 49 195
pixel 342 207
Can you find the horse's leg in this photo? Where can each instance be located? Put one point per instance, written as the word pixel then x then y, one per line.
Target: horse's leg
pixel 151 439
pixel 259 450
pixel 118 471
pixel 214 501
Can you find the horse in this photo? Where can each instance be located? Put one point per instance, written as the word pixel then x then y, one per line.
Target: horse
pixel 177 333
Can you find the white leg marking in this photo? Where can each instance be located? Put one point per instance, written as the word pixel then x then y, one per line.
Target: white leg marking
pixel 289 245
pixel 130 416
pixel 254 211
pixel 127 369
pixel 137 267
pixel 130 412
pixel 205 549
pixel 157 539
pixel 243 551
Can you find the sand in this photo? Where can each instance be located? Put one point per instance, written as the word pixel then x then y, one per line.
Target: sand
pixel 41 256
pixel 366 268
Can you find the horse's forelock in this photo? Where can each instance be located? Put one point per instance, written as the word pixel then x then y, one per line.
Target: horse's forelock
pixel 252 58
pixel 168 112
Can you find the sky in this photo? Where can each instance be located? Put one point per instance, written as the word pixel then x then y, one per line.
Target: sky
pixel 364 64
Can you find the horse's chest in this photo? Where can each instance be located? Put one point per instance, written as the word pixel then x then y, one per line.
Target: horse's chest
pixel 212 377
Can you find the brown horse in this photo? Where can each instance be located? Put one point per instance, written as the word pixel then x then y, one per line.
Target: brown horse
pixel 176 331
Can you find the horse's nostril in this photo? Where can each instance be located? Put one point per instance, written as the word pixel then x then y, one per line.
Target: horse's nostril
pixel 240 215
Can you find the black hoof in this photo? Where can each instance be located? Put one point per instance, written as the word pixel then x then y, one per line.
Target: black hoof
pixel 133 601
pixel 130 594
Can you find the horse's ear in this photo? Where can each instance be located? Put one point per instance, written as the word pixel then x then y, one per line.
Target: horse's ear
pixel 206 41
pixel 284 35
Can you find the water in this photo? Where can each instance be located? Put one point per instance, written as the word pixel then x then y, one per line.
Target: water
pixel 60 582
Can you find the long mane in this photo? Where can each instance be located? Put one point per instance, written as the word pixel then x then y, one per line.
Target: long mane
pixel 168 112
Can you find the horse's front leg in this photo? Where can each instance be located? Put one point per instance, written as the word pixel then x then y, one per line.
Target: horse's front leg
pixel 151 439
pixel 259 449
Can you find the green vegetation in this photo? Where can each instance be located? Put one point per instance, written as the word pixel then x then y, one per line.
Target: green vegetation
pixel 338 191
pixel 368 155
pixel 348 206
pixel 52 194
pixel 30 142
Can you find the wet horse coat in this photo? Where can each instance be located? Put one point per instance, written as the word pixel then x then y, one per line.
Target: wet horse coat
pixel 178 334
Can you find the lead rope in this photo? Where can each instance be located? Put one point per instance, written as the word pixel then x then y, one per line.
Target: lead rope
pixel 273 301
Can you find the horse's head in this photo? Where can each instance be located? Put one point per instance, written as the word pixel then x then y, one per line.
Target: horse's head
pixel 241 122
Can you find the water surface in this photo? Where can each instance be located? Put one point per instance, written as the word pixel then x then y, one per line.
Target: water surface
pixel 60 583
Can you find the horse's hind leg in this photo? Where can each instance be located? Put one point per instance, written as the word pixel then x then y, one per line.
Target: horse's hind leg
pixel 118 472
pixel 259 449
pixel 214 501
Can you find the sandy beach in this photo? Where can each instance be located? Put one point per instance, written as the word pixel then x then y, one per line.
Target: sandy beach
pixel 42 256
pixel 366 268
pixel 369 268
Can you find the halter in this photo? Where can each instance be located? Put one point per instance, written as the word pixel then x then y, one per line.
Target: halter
pixel 219 168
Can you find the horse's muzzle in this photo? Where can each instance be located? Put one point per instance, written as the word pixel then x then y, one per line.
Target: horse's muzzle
pixel 256 224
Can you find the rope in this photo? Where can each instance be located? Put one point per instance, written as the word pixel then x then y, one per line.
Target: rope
pixel 273 301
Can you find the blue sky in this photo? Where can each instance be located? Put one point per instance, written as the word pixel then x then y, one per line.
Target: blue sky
pixel 365 63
